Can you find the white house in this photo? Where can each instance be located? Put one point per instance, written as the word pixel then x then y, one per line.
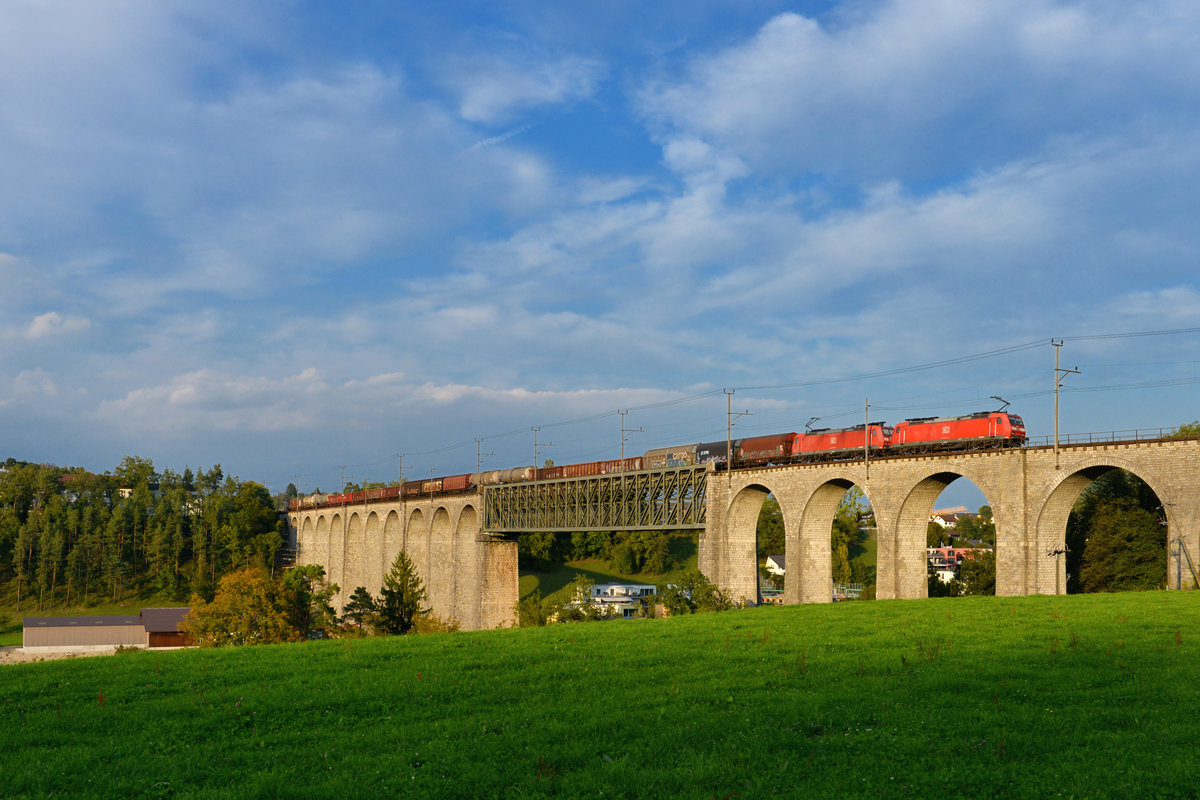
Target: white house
pixel 622 599
pixel 775 565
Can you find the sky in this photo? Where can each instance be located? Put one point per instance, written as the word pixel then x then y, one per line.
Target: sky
pixel 308 240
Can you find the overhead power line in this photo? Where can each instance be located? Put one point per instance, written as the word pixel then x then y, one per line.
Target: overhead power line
pixel 1003 351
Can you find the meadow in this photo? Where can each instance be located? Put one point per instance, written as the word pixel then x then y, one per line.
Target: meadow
pixel 1079 696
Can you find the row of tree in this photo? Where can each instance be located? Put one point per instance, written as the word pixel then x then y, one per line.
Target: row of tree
pixel 252 607
pixel 627 552
pixel 73 537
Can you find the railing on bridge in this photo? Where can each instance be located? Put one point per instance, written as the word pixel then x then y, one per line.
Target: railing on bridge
pixel 1103 437
pixel 668 499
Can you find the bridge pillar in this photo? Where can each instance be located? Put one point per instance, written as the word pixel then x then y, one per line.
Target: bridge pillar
pixel 468 577
pixel 499 593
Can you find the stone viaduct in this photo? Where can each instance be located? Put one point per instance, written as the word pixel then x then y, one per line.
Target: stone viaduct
pixel 472 576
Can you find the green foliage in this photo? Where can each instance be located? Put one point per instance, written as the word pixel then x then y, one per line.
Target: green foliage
pixel 978 573
pixel 940 588
pixel 1188 429
pixel 532 611
pixel 1124 551
pixel 640 552
pixel 693 593
pixel 627 552
pixel 72 538
pixel 770 532
pixel 361 614
pixel 1116 539
pixel 245 610
pixel 542 549
pixel 936 535
pixel 578 605
pixel 401 597
pixel 305 595
pixel 845 532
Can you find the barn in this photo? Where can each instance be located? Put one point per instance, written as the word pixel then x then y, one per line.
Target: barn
pixel 153 627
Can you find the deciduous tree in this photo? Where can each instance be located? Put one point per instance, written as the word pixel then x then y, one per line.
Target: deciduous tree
pixel 244 611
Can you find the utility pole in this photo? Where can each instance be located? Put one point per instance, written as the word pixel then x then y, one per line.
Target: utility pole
pixel 536 447
pixel 729 418
pixel 867 437
pixel 625 435
pixel 401 457
pixel 479 457
pixel 1059 376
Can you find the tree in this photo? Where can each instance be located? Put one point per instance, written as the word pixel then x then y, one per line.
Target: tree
pixel 244 611
pixel 543 549
pixel 633 552
pixel 532 611
pixel 304 595
pixel 977 573
pixel 1188 429
pixel 770 529
pixel 940 588
pixel 1116 538
pixel 361 613
pixel 694 593
pixel 401 596
pixel 578 606
pixel 844 532
pixel 935 535
pixel 1124 551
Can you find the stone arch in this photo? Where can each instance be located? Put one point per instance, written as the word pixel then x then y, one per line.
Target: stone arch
pixel 468 569
pixel 440 583
pixel 366 566
pixel 1048 570
pixel 810 570
pixel 306 539
pixel 416 543
pixel 352 553
pixel 902 570
pixel 393 542
pixel 336 547
pixel 738 566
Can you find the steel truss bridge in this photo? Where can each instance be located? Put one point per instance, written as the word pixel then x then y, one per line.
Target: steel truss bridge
pixel 666 499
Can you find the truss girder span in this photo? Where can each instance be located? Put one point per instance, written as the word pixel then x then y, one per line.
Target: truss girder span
pixel 669 499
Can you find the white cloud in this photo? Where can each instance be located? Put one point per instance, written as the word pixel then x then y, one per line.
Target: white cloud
pixel 927 88
pixel 54 324
pixel 494 87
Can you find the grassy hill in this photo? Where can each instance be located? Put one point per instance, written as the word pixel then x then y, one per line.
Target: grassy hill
pixel 1081 696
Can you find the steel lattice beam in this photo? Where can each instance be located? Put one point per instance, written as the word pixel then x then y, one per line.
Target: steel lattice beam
pixel 669 499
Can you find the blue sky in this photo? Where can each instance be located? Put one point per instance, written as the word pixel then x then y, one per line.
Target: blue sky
pixel 302 238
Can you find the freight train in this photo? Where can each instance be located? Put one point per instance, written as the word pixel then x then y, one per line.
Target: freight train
pixel 984 430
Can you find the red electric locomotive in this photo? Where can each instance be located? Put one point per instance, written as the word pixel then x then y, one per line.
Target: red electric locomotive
pixel 825 443
pixel 981 430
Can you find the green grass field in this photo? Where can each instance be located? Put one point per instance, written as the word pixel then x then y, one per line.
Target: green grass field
pixel 1088 696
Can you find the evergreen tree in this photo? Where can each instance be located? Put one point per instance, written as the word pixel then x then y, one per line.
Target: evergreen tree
pixel 361 613
pixel 401 596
